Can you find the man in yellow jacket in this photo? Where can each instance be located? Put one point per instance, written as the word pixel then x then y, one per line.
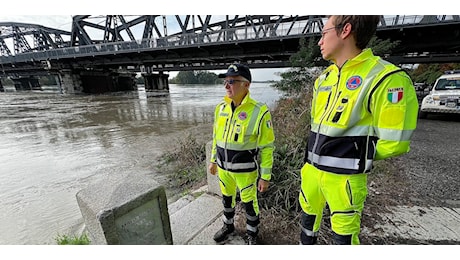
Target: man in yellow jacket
pixel 242 132
pixel 363 109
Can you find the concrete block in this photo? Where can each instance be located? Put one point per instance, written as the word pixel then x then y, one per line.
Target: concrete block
pixel 130 210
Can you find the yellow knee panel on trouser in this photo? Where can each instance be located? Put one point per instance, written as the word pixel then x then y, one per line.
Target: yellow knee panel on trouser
pixel 245 182
pixel 345 195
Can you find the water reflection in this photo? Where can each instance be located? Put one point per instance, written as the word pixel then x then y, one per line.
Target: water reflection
pixel 54 145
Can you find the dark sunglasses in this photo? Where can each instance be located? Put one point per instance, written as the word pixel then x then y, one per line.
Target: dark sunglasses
pixel 232 81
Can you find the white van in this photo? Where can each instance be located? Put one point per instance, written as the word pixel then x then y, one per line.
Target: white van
pixel 444 97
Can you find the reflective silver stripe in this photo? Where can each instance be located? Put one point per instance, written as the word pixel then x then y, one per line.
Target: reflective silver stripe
pixel 229 209
pixel 252 218
pixel 237 147
pixel 236 166
pixel 251 228
pixel 343 163
pixel 394 134
pixel 265 171
pixel 226 220
pixel 309 232
pixel 357 130
pixel 269 145
pixel 252 123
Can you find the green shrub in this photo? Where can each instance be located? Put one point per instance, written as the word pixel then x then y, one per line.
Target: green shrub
pixel 74 240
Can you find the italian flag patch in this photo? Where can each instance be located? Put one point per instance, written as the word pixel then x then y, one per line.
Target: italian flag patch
pixel 395 95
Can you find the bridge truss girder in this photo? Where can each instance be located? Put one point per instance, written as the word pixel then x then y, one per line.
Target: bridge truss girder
pixel 25 38
pixel 88 30
pixel 190 42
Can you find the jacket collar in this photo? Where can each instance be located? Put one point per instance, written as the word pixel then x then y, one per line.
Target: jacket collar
pixel 246 99
pixel 363 56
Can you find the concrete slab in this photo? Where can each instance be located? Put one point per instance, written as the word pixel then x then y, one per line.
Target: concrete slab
pixel 434 223
pixel 206 236
pixel 180 203
pixel 193 218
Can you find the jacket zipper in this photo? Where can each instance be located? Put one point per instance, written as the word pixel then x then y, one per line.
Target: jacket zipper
pixel 227 130
pixel 325 113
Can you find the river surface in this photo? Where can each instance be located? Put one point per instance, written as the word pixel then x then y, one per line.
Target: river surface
pixel 54 145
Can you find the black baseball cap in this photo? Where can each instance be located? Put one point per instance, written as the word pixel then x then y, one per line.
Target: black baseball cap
pixel 237 69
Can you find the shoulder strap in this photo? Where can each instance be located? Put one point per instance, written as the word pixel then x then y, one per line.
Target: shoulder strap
pixel 377 85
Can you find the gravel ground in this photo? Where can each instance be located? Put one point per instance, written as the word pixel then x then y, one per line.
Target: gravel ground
pixel 432 167
pixel 427 176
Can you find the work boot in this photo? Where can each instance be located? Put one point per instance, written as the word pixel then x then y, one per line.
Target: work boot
pixel 251 239
pixel 222 234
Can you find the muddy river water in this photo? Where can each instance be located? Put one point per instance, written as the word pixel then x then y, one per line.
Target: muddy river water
pixel 53 145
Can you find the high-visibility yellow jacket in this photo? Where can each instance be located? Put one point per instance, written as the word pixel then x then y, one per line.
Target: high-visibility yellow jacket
pixel 239 135
pixel 364 111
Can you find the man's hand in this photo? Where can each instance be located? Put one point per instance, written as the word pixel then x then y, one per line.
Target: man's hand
pixel 212 168
pixel 263 185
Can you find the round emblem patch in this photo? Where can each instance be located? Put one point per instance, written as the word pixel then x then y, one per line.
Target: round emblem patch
pixel 242 115
pixel 354 82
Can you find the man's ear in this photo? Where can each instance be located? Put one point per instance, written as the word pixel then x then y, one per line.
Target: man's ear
pixel 346 31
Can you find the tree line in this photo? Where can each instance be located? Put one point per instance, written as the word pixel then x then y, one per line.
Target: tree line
pixel 196 77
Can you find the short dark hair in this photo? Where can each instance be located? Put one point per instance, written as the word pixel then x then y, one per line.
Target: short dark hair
pixel 363 27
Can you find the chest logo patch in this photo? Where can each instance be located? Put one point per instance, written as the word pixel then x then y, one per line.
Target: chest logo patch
pixel 242 115
pixel 354 82
pixel 395 95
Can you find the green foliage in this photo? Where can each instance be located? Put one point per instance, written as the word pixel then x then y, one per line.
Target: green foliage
pixel 309 54
pixel 74 240
pixel 297 80
pixel 382 47
pixel 195 77
pixel 428 73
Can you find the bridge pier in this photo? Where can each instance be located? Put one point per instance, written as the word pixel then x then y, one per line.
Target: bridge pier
pixel 26 83
pixel 95 82
pixel 155 82
pixel 70 82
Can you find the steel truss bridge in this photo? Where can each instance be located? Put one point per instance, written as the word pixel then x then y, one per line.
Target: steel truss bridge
pixel 203 42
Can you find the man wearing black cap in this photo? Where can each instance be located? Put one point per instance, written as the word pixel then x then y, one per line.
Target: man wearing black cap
pixel 242 129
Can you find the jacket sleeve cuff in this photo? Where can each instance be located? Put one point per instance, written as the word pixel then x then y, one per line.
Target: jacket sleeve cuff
pixel 266 177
